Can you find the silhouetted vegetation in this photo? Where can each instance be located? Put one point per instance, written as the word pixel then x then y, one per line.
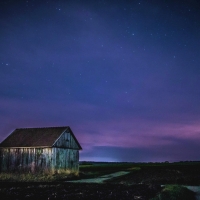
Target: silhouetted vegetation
pixel 175 192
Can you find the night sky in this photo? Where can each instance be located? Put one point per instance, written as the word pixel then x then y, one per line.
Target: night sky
pixel 124 75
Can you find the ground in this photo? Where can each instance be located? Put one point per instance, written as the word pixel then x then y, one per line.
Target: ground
pixel 77 191
pixel 143 181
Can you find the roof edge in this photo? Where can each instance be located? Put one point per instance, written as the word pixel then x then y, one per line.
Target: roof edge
pixel 42 127
pixel 1 147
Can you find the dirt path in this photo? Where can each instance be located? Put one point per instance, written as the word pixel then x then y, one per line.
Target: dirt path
pixel 195 189
pixel 101 179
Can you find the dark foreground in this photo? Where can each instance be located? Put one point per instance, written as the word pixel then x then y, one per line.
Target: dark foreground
pixel 143 182
pixel 77 191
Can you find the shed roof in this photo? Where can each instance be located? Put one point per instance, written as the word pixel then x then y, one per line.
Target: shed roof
pixel 35 137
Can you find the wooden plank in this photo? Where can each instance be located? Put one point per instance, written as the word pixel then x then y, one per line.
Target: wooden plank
pixel 66 140
pixel 39 160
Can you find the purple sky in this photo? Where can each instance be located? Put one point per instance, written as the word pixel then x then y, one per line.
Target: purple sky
pixel 124 75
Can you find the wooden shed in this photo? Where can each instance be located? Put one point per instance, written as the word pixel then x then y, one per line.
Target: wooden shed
pixel 49 149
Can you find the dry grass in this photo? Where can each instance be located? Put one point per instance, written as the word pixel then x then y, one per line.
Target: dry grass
pixel 134 169
pixel 37 177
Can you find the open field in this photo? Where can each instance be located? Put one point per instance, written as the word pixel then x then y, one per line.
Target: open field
pixel 184 173
pixel 143 181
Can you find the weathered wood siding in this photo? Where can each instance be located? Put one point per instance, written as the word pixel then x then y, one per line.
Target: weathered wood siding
pixel 66 159
pixel 66 140
pixel 38 159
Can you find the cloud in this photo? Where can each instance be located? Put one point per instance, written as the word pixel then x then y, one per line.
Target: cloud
pixel 183 150
pixel 136 133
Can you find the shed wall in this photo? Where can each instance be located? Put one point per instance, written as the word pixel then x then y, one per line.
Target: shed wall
pixel 38 160
pixel 66 140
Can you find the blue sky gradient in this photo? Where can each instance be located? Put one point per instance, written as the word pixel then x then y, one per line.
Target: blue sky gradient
pixel 124 75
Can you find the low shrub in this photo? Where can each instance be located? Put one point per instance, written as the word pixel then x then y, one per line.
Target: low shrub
pixel 175 192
